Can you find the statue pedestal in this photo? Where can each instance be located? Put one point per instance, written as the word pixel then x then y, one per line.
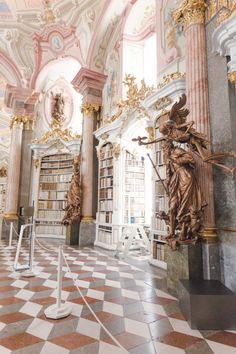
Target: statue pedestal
pixel 72 234
pixel 207 304
pixel 87 233
pixel 184 263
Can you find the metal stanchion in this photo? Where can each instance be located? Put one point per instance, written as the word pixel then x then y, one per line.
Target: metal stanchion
pixel 10 247
pixel 58 310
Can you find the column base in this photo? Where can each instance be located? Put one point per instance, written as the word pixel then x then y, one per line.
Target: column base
pixel 209 235
pixel 87 233
pixel 184 263
pixel 72 234
pixel 11 216
pixel 211 261
pixel 87 218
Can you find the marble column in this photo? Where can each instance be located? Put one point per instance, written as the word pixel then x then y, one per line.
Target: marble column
pixel 90 84
pixel 192 15
pixel 89 117
pixel 13 181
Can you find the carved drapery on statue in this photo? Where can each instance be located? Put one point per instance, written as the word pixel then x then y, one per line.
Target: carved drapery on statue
pixel 58 110
pixel 73 197
pixel 186 205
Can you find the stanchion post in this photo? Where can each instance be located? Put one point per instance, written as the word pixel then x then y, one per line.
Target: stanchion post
pixel 30 272
pixel 58 310
pixel 10 247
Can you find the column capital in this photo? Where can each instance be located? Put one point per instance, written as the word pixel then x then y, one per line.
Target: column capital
pixel 19 121
pixel 90 84
pixel 88 107
pixel 232 77
pixel 190 12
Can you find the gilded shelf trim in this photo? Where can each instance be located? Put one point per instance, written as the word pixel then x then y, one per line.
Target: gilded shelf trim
pixel 19 121
pixel 57 133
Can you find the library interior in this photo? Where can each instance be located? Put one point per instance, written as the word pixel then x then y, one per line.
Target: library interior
pixel 117 176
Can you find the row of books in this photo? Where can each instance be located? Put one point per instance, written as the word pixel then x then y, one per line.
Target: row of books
pixel 106 193
pixel 51 229
pixel 49 204
pixel 136 175
pixel 56 178
pixel 160 225
pixel 50 195
pixel 106 163
pixel 133 220
pixel 134 163
pixel 137 169
pixel 162 203
pixel 54 186
pixel 56 164
pixel 51 214
pixel 158 251
pixel 136 188
pixel 105 217
pixel 53 171
pixel 105 154
pixel 106 172
pixel 105 237
pixel 57 157
pixel 106 205
pixel 106 182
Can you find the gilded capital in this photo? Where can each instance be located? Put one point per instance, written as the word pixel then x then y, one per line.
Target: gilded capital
pixel 116 150
pixel 88 107
pixel 232 77
pixel 19 121
pixel 190 12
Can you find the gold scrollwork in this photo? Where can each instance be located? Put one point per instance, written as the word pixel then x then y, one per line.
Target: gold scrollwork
pixel 116 149
pixel 232 77
pixel 169 78
pixel 88 107
pixel 190 12
pixel 57 133
pixel 105 136
pixel 3 172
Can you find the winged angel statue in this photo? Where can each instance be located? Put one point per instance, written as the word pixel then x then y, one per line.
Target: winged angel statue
pixel 180 142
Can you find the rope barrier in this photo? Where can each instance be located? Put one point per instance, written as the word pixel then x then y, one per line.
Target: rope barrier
pixel 91 310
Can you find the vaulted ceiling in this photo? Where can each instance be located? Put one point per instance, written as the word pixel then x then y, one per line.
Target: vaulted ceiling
pixel 99 25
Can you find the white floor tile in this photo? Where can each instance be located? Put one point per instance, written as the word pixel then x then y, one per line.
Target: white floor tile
pixel 76 308
pixel 19 283
pixel 130 294
pixel 126 275
pixel 219 348
pixel 89 269
pixel 24 294
pixel 164 294
pixel 89 328
pixel 183 327
pixel 4 350
pixel 105 348
pixel 40 328
pixel 138 328
pixel 113 308
pixel 82 283
pixel 154 308
pixel 30 308
pixel 64 294
pixel 113 283
pixel 50 348
pixel 95 294
pixel 50 283
pixel 99 275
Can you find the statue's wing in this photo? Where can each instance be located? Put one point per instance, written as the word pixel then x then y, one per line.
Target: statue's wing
pixel 178 113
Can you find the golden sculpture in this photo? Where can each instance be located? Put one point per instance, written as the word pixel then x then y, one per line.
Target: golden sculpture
pixel 73 197
pixel 58 110
pixel 57 133
pixel 186 206
pixel 190 12
pixel 169 78
pixel 3 172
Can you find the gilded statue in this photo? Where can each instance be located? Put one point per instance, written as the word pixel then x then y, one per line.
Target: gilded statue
pixel 73 197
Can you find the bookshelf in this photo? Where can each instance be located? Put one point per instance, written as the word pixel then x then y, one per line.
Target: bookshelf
pixel 105 196
pixel 159 228
pixel 3 185
pixel 54 181
pixel 134 194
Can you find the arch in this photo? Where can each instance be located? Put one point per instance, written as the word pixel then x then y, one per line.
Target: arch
pixel 9 70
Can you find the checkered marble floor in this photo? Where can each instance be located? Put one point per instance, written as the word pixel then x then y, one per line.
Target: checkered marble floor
pixel 131 303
